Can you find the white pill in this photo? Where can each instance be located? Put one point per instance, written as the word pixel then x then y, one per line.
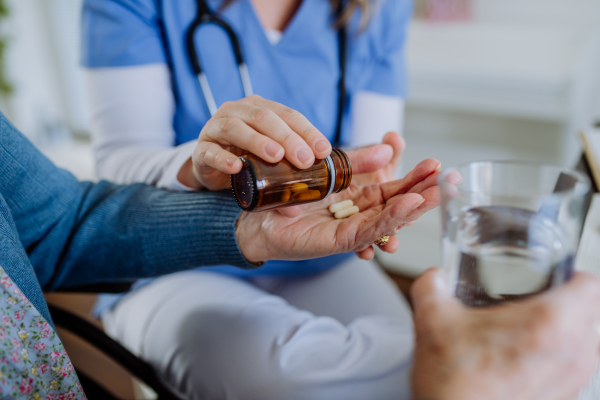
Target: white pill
pixel 340 206
pixel 346 212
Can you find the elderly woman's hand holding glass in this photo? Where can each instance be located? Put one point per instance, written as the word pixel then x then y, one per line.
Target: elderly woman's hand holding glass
pixel 81 233
pixel 542 348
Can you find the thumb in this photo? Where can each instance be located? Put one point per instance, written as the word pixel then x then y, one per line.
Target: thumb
pixel 430 293
pixel 398 145
pixel 290 212
pixel 371 158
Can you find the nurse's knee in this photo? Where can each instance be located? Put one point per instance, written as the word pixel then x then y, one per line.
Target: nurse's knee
pixel 221 348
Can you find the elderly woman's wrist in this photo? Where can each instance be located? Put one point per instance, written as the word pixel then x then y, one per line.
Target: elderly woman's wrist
pixel 248 242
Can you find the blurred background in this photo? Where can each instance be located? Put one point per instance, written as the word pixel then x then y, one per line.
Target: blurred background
pixel 489 79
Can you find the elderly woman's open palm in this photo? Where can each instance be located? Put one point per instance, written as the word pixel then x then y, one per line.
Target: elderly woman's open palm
pixel 314 232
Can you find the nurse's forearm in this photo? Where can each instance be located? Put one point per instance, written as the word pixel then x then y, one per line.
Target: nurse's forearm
pixel 158 167
pixel 132 126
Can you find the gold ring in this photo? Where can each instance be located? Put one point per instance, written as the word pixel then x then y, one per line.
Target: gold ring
pixel 382 240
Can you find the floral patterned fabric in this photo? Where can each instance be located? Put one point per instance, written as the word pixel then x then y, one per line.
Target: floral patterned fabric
pixel 33 362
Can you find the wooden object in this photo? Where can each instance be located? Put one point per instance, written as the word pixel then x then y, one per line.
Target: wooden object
pixel 591 150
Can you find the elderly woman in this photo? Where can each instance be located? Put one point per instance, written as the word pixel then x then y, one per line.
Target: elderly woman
pixel 57 232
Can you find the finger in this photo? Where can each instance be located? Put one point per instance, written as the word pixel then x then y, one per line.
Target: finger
pixel 213 179
pixel 381 222
pixel 432 200
pixel 419 173
pixel 571 310
pixel 576 339
pixel 430 181
pixel 208 156
pixel 398 144
pixel 582 288
pixel 234 131
pixel 290 212
pixel 270 125
pixel 391 246
pixel 370 159
pixel 453 178
pixel 297 122
pixel 430 292
pixel 450 181
pixel 366 254
pixel 572 378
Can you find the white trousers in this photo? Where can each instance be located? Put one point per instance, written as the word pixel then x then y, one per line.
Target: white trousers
pixel 345 334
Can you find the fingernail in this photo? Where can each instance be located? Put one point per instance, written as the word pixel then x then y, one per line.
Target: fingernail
pixel 321 146
pixel 419 203
pixel 231 161
pixel 272 149
pixel 304 155
pixel 438 167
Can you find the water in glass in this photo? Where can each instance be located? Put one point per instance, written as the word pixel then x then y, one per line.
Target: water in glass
pixel 505 253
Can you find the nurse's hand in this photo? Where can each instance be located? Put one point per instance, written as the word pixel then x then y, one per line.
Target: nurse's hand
pixel 389 161
pixel 314 233
pixel 262 127
pixel 543 348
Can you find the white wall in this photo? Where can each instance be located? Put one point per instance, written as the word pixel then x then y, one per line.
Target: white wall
pixel 65 23
pixel 515 56
pixel 548 12
pixel 43 63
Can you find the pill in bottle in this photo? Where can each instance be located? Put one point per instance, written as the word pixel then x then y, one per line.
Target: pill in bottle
pixel 261 185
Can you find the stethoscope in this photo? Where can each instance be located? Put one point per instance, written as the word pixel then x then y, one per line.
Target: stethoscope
pixel 205 16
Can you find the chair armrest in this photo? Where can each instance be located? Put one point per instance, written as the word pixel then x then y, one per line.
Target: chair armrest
pixel 97 338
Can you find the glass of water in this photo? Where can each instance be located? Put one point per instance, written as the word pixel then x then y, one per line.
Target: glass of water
pixel 510 229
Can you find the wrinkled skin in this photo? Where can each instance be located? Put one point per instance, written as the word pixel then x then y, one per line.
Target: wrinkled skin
pixel 314 232
pixel 542 348
pixel 251 125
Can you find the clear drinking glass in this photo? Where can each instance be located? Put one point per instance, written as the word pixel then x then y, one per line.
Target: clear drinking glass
pixel 510 229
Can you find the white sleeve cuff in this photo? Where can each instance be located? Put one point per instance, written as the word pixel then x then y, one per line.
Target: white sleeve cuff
pixel 373 115
pixel 169 180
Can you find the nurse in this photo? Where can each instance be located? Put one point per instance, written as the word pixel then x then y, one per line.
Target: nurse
pixel 323 329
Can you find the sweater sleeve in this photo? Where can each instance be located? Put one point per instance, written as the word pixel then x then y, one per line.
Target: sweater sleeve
pixel 79 233
pixel 137 231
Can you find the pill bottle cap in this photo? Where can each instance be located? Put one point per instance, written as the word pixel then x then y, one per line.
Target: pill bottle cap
pixel 246 198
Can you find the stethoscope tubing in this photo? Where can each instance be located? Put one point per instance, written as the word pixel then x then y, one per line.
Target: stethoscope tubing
pixel 207 92
pixel 205 16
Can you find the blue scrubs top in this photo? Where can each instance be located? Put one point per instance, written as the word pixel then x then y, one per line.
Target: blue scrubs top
pixel 301 71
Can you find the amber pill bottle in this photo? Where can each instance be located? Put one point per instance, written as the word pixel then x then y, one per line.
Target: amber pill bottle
pixel 261 185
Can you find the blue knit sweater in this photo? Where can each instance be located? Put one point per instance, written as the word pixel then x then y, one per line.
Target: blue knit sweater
pixel 56 232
